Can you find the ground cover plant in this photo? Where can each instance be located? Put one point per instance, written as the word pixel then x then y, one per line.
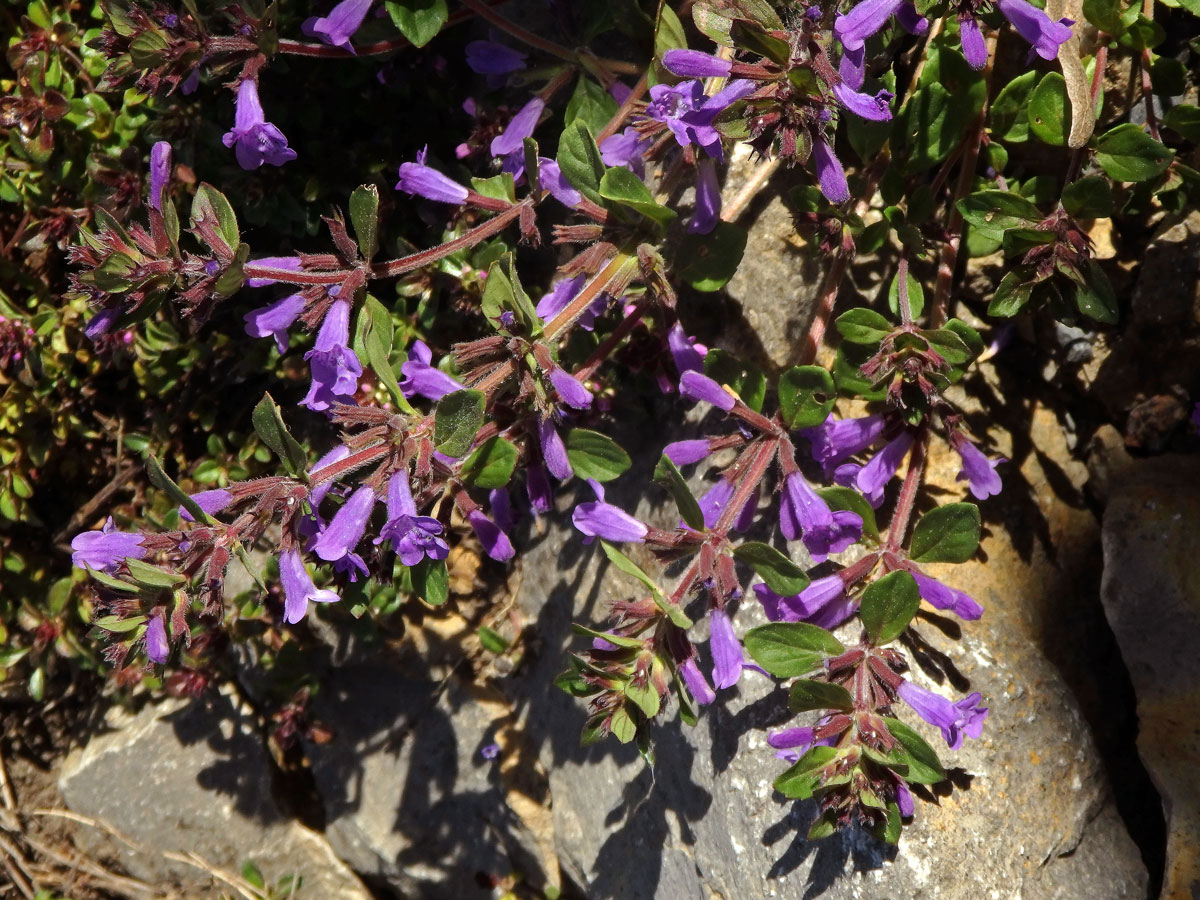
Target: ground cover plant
pixel 327 299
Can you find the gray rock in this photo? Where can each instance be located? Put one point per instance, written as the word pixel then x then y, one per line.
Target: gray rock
pixel 409 797
pixel 1151 593
pixel 181 778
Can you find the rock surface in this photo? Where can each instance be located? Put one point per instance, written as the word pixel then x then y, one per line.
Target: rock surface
pixel 1151 593
pixel 189 778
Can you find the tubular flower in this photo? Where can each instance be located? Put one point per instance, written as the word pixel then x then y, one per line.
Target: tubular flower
pixel 254 139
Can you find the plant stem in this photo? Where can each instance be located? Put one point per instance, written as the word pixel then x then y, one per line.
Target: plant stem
pixel 617 267
pixel 908 492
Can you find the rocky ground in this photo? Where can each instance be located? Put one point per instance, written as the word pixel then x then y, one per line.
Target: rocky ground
pixel 1083 786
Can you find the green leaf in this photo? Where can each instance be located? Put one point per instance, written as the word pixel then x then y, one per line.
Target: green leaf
pixel 1127 153
pixel 789 649
pixel 862 326
pixel 708 261
pixel 112 582
pixel 952 348
pixel 1009 112
pixel 992 212
pixel 926 129
pixel 210 205
pixel 823 826
pixel 1088 198
pixel 617 640
pixel 1011 294
pixel 923 764
pixel 591 104
pixel 667 474
pixel 498 187
pixel 418 20
pixel 457 419
pixel 1050 110
pixel 491 464
pixel 268 423
pixel 1094 295
pixel 431 581
pixel 622 726
pixel 491 641
pixel 806 396
pixel 807 694
pixel 161 480
pixel 378 332
pixel 753 37
pixel 580 162
pixel 629 567
pixel 779 573
pixel 1184 120
pixel 364 216
pixel 644 697
pixel 916 295
pixel 594 455
pixel 844 498
pixel 799 781
pixel 968 335
pixel 503 291
pixel 1105 15
pixel 621 186
pixel 888 605
pixel 119 625
pixel 947 534
pixel 152 576
pixel 37 684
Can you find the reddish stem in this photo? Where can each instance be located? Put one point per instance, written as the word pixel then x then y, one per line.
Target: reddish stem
pixel 908 492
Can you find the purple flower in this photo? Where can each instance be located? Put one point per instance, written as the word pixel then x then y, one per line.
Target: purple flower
pixel 102 322
pixel 1035 26
pixel 275 320
pixel 335 368
pixel 836 440
pixel 212 502
pixel 973 47
pixel 352 566
pixel 904 799
pixel 105 549
pixel 694 64
pixel 708 198
pixel 418 178
pixel 872 477
pixel 495 542
pixel 558 297
pixel 689 114
pixel 603 520
pixel 830 174
pixel 491 58
pixel 726 650
pixel 954 719
pixel 824 602
pixel 792 743
pixel 413 537
pixel 500 503
pixel 864 20
pixel 695 386
pixel 804 515
pixel 696 683
pixel 683 350
pixel 158 648
pixel 509 145
pixel 570 389
pixel 552 179
pixel 257 140
pixel 683 453
pixel 346 528
pixel 490 751
pixel 337 28
pixel 298 587
pixel 423 380
pixel 538 488
pixel 864 106
pixel 626 149
pixel 942 596
pixel 554 451
pixel 978 470
pixel 160 172
pixel 291 263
